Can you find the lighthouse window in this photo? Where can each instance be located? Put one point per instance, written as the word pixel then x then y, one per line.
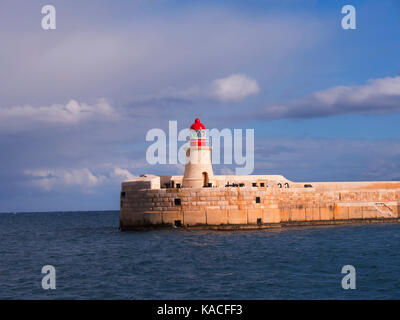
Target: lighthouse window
pixel 258 200
pixel 177 202
pixel 254 184
pixel 262 184
pixel 123 194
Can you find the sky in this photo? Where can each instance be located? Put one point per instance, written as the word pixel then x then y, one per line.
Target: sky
pixel 76 102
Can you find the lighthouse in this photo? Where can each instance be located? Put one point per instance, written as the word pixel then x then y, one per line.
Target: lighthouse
pixel 198 168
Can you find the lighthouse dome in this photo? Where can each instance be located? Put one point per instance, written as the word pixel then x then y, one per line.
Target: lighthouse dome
pixel 197 125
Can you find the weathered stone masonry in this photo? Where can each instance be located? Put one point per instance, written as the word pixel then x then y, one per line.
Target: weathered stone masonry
pixel 253 207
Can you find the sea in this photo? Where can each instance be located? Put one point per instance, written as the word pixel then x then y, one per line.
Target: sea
pixel 92 259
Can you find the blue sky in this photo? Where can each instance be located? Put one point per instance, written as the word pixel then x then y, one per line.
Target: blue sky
pixel 76 102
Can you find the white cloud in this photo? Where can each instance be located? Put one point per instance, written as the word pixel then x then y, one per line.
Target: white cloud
pixel 50 179
pixel 378 96
pixel 122 173
pixel 27 116
pixel 85 179
pixel 234 88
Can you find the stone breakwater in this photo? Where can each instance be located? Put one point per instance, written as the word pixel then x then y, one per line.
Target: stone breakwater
pixel 256 207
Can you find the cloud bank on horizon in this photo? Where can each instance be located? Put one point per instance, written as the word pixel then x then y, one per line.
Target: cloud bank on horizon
pixel 379 96
pixel 76 102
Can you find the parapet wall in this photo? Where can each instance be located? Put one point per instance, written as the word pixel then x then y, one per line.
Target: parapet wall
pixel 253 207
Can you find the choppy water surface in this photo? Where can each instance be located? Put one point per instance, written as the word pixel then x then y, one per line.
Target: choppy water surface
pixel 93 260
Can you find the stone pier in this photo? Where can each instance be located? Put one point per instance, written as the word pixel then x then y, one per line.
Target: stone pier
pixel 145 205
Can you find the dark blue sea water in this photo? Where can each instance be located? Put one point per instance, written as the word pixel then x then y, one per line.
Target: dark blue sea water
pixel 94 260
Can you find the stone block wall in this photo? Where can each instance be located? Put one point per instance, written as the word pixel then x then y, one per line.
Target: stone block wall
pixel 252 206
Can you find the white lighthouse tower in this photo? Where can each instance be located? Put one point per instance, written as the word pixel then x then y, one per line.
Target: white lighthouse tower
pixel 198 168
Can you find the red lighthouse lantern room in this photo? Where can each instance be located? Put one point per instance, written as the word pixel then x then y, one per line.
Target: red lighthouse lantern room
pixel 198 134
